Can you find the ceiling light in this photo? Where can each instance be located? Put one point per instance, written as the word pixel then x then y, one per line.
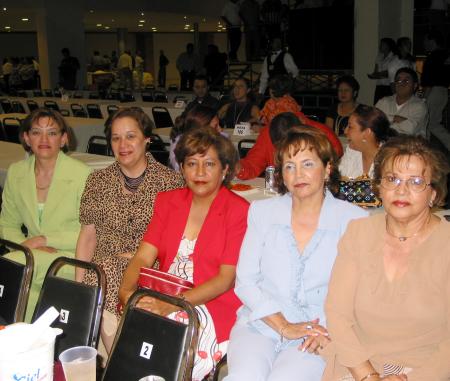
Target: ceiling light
pixel 91 11
pixel 99 25
pixel 191 30
pixel 25 19
pixel 142 13
pixel 185 17
pixel 112 20
pixel 141 21
pixel 7 27
pixel 106 27
pixel 4 8
pixel 204 20
pixel 187 25
pixel 140 25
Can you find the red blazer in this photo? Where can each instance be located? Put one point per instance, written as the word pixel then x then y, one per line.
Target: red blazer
pixel 218 242
pixel 262 154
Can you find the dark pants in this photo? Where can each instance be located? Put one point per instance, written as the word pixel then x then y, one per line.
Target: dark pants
pixel 162 76
pixel 252 39
pixel 187 80
pixel 381 91
pixel 234 39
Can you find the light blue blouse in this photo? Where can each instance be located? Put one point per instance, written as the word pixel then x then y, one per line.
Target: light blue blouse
pixel 273 276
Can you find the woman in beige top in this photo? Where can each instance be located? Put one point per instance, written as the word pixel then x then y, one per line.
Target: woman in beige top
pixel 388 306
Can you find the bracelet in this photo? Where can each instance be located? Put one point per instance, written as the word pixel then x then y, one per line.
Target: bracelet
pixel 370 375
pixel 282 331
pixel 181 296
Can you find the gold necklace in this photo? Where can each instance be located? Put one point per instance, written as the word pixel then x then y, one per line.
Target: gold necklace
pixel 403 238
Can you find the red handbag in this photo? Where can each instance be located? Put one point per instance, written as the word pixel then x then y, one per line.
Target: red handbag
pixel 163 282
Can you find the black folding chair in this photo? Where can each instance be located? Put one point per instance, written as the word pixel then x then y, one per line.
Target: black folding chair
pixel 48 93
pixel 78 110
pixel 150 344
pixel 78 94
pixel 80 305
pixel 160 96
pixel 112 109
pixel 161 117
pixel 244 146
pixel 94 95
pixel 15 282
pixel 32 105
pixel 147 96
pixel 98 145
pixel 6 106
pixel 22 94
pixel 3 136
pixel 37 93
pixel 57 93
pixel 17 107
pixel 221 369
pixel 173 87
pixel 94 111
pixel 11 127
pixel 127 96
pixel 51 105
pixel 64 112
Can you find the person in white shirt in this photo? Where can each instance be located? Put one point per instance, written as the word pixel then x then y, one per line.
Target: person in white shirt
pixel 368 128
pixel 125 67
pixel 380 72
pixel 230 14
pixel 402 59
pixel 407 113
pixel 276 63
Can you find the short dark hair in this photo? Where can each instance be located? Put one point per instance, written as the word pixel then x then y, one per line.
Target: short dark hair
pixel 436 36
pixel 280 85
pixel 281 124
pixel 199 115
pixel 349 80
pixel 305 137
pixel 201 77
pixel 407 146
pixel 412 73
pixel 376 120
pixel 142 119
pixel 54 115
pixel 198 140
pixel 390 43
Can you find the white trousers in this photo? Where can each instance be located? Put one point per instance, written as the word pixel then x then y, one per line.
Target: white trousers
pixel 253 356
pixel 437 99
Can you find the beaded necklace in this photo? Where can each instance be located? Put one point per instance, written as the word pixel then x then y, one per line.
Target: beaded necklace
pixel 132 183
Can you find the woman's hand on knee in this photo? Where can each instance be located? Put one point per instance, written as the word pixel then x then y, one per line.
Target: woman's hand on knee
pixel 314 344
pixel 298 330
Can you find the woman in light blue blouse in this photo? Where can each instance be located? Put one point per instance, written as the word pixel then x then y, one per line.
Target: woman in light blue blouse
pixel 285 265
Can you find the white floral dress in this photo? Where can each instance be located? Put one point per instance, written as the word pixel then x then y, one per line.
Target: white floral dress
pixel 209 352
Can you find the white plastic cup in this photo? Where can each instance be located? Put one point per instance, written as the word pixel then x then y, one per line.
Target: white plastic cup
pixel 79 363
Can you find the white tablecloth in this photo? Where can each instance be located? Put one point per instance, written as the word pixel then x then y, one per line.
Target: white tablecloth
pixel 11 153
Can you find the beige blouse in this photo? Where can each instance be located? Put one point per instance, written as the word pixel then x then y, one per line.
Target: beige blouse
pixel 404 322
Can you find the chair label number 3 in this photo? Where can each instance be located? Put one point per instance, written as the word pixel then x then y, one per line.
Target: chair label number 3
pixel 64 316
pixel 146 350
pixel 1 290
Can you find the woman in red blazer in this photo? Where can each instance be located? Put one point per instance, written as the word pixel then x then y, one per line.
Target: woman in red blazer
pixel 196 233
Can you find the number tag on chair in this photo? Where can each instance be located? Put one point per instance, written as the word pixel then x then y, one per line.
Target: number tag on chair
pixel 146 350
pixel 2 287
pixel 64 316
pixel 242 129
pixel 179 104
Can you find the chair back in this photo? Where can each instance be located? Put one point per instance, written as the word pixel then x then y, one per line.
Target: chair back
pixel 94 95
pixel 11 127
pixel 94 111
pixel 150 344
pixel 15 282
pixel 127 96
pixel 17 107
pixel 244 146
pixel 147 96
pixel 161 117
pixel 51 105
pixel 80 305
pixel 221 370
pixel 37 93
pixel 112 109
pixel 78 110
pixel 3 136
pixel 78 94
pixel 32 105
pixel 6 106
pixel 98 145
pixel 47 92
pixel 160 96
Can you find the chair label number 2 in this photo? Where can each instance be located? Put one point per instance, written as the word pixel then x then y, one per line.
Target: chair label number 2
pixel 1 290
pixel 64 316
pixel 146 350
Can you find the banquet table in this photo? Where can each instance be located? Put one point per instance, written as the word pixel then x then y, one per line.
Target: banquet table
pixel 11 153
pixel 83 128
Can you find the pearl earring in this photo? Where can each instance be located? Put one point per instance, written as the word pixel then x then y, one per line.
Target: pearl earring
pixel 430 203
pixel 364 141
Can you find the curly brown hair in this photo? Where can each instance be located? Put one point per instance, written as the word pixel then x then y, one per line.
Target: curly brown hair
pixel 407 146
pixel 306 137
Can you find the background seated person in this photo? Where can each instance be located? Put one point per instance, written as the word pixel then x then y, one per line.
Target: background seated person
pixel 43 193
pixel 285 264
pixel 202 95
pixel 388 303
pixel 196 233
pixel 367 130
pixel 262 154
pixel 407 113
pixel 338 114
pixel 241 109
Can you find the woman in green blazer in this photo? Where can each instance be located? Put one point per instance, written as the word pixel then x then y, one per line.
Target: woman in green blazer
pixel 43 194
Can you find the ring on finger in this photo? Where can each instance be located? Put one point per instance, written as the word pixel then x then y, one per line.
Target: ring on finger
pixel 309 326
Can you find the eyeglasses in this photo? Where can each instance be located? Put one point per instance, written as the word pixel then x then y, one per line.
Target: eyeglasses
pixel 403 82
pixel 415 184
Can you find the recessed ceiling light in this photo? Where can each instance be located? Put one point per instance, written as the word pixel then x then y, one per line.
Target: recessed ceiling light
pixel 185 17
pixel 99 25
pixel 187 25
pixel 204 20
pixel 25 19
pixel 4 8
pixel 91 11
pixel 141 21
pixel 7 27
pixel 142 13
pixel 112 20
pixel 106 27
pixel 192 30
pixel 140 25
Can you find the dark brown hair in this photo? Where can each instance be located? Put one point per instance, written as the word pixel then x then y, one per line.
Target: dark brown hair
pixel 142 119
pixel 302 138
pixel 406 146
pixel 376 120
pixel 199 139
pixel 55 116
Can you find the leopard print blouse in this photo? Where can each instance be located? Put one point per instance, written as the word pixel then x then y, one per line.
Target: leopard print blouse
pixel 120 218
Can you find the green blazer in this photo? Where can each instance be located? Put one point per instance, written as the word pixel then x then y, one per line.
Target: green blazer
pixel 60 218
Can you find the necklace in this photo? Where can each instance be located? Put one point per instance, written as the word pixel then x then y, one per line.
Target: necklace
pixel 42 188
pixel 403 238
pixel 239 115
pixel 132 183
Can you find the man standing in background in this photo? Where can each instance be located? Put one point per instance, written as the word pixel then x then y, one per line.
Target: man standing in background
pixel 139 67
pixel 163 62
pixel 186 62
pixel 230 14
pixel 125 67
pixel 68 70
